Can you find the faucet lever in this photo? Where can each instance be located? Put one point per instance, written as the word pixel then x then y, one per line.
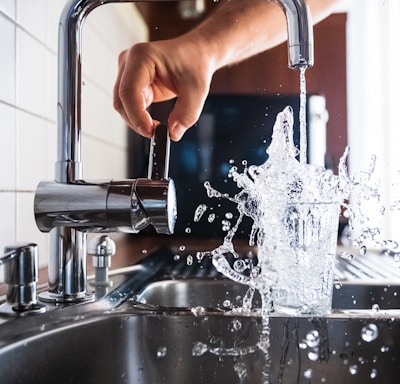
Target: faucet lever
pixel 157 194
pixel 159 153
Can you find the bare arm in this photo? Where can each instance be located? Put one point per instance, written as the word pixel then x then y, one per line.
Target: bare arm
pixel 184 66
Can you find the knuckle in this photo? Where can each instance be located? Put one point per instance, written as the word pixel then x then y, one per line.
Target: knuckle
pixel 117 105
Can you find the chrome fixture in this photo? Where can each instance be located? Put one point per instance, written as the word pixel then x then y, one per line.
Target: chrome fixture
pixel 300 33
pixel 101 249
pixel 69 206
pixel 21 274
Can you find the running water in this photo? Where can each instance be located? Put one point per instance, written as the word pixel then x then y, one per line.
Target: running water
pixel 302 116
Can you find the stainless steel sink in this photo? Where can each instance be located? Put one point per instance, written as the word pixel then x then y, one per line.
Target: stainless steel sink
pixel 151 328
pixel 130 346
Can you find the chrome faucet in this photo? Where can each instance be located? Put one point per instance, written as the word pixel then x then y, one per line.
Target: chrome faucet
pixel 300 33
pixel 69 207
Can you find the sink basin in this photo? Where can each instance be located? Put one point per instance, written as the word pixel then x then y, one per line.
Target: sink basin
pixel 151 329
pixel 225 294
pixel 130 346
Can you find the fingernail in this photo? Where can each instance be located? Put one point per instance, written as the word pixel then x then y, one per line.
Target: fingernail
pixel 177 131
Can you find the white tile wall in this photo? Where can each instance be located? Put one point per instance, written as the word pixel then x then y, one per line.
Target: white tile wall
pixel 31 74
pixel 28 100
pixel 8 59
pixel 8 7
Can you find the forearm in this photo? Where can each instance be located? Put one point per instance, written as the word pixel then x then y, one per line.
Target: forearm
pixel 248 28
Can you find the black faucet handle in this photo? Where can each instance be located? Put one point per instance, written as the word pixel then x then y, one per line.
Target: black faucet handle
pixel 159 153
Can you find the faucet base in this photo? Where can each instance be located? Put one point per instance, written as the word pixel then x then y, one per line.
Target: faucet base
pixel 7 309
pixel 49 297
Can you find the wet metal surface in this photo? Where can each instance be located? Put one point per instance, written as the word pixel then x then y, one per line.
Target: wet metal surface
pixel 145 331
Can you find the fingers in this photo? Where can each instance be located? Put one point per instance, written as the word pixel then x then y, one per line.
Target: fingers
pixel 187 109
pixel 132 94
pixel 145 74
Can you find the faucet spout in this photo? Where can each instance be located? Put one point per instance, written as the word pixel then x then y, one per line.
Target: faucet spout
pixel 300 33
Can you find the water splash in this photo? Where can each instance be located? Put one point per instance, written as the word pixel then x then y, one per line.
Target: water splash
pixel 200 348
pixel 369 332
pixel 199 212
pixel 271 190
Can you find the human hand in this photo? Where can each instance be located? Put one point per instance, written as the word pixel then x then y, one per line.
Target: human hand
pixel 158 71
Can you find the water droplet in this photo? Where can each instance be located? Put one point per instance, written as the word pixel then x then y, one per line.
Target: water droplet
pixel 345 255
pixel 353 369
pixel 189 260
pixel 363 250
pixel 303 345
pixel 144 251
pixel 229 215
pixel 236 324
pixel 313 356
pixel 161 352
pixel 369 332
pixel 312 339
pixel 182 248
pixel 211 217
pixel 199 349
pixel 384 349
pixel 188 230
pixel 308 373
pixel 227 303
pixel 338 284
pixel 375 308
pixel 373 374
pixel 200 256
pixel 199 212
pixel 177 257
pixel 198 311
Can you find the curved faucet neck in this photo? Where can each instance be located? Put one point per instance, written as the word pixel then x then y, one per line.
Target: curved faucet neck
pixel 69 166
pixel 300 33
